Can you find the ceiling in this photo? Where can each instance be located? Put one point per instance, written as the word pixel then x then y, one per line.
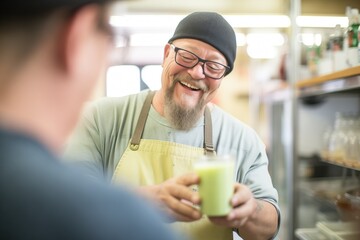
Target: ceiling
pixel 308 7
pixel 146 55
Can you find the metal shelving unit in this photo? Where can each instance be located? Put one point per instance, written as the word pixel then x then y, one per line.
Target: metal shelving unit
pixel 345 82
pixel 285 109
pixel 285 112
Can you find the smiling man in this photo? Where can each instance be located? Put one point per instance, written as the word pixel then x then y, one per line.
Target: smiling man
pixel 151 139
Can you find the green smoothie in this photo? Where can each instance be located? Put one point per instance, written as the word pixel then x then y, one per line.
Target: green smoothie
pixel 216 185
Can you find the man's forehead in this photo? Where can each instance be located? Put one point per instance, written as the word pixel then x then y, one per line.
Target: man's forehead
pixel 197 46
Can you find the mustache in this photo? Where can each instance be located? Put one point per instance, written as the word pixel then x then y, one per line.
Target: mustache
pixel 189 80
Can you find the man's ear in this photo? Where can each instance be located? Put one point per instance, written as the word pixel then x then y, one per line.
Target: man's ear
pixel 167 49
pixel 76 39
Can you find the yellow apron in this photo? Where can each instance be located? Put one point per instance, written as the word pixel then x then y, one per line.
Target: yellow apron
pixel 148 162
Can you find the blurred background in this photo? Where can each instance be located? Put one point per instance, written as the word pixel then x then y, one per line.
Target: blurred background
pixel 295 81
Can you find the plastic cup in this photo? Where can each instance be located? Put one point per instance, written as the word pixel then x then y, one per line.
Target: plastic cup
pixel 216 184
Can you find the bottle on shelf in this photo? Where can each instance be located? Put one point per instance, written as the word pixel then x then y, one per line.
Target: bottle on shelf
pixel 338 54
pixel 353 38
pixel 341 142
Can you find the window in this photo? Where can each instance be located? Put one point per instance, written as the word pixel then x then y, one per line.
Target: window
pixel 122 80
pixel 151 75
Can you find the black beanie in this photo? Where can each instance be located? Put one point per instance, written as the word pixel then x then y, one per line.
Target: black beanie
pixel 211 28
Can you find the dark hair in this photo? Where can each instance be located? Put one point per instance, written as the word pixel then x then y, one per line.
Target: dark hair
pixel 21 34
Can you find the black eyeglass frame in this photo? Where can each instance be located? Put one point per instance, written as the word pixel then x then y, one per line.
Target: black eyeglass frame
pixel 176 49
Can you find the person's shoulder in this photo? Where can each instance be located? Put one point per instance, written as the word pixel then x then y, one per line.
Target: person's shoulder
pixel 89 209
pixel 70 204
pixel 116 211
pixel 111 211
pixel 21 148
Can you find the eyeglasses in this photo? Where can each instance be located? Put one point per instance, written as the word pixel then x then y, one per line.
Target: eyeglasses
pixel 188 59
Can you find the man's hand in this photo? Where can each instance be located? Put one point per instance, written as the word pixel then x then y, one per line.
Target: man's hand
pixel 253 218
pixel 244 206
pixel 176 198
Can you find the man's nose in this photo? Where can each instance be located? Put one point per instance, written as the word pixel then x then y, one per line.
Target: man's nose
pixel 197 72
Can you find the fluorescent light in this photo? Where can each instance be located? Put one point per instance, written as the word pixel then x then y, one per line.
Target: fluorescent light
pixel 258 21
pixel 149 39
pixel 261 51
pixel 171 21
pixel 160 21
pixel 263 45
pixel 272 39
pixel 146 21
pixel 321 21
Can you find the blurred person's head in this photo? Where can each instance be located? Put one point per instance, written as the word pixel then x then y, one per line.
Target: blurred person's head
pixel 198 56
pixel 52 54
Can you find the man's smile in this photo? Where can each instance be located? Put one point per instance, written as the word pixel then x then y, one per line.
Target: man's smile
pixel 188 85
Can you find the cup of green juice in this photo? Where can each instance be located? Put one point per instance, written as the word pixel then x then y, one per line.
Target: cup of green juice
pixel 216 185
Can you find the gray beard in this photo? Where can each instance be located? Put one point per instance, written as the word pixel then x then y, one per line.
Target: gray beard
pixel 179 117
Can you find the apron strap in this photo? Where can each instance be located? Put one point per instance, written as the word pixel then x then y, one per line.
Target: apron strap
pixel 135 140
pixel 208 141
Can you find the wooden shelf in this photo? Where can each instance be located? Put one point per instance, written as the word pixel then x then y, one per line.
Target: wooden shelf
pixel 345 80
pixel 329 77
pixel 355 165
